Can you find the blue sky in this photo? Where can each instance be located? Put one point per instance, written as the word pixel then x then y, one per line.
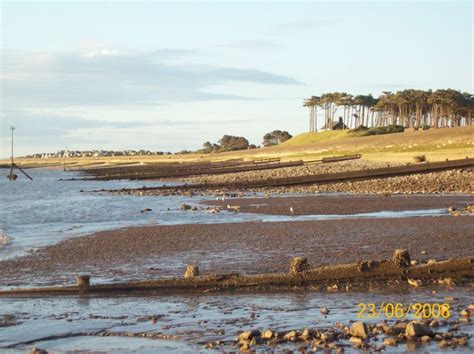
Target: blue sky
pixel 172 75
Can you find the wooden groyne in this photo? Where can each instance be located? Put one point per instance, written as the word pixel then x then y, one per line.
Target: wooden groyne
pixel 361 273
pixel 154 172
pixel 384 172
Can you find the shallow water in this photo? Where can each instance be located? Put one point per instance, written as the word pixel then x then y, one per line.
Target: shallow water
pixel 44 211
pixel 192 320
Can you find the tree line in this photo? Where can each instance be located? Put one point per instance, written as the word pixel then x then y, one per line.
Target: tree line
pixel 407 108
pixel 234 143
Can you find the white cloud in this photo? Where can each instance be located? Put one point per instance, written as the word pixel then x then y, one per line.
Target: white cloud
pixel 109 77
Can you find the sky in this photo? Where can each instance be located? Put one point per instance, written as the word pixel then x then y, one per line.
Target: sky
pixel 169 75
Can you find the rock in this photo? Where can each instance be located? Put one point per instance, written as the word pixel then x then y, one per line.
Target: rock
pixel 446 281
pixel 401 258
pixel 268 334
pixel 185 207
pixel 305 335
pixel 425 339
pixel 248 335
pixel 38 351
pixel 356 341
pixel 415 329
pixel 327 336
pixel 245 347
pixel 443 343
pixel 298 265
pixel 392 342
pixel 291 336
pixel 415 282
pixel 359 329
pixel 234 208
pixel 324 311
pixel 191 271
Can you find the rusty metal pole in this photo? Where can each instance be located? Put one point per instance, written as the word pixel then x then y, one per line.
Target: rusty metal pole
pixel 11 168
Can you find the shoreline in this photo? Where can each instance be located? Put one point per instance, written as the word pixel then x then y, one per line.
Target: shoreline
pixel 163 251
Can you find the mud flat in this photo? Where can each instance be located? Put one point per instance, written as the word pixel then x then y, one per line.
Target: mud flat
pixel 246 248
pixel 341 204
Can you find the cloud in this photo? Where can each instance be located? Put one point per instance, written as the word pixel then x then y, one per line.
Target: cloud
pixel 44 124
pixel 251 44
pixel 108 77
pixel 305 24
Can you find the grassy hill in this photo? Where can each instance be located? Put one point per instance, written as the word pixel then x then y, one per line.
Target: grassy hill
pixel 436 144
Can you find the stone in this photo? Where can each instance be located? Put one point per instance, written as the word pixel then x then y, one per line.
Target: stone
pixel 324 311
pixel 298 265
pixel 268 334
pixel 415 329
pixel 245 347
pixel 401 258
pixel 425 339
pixel 248 335
pixel 38 351
pixel 443 343
pixel 359 329
pixel 191 271
pixel 356 341
pixel 392 342
pixel 305 335
pixel 290 335
pixel 415 282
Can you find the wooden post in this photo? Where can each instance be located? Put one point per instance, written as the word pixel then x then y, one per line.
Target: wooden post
pixel 191 271
pixel 298 265
pixel 12 128
pixel 83 282
pixel 401 258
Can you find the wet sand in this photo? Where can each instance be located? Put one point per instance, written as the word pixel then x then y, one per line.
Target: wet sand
pixel 342 204
pixel 246 248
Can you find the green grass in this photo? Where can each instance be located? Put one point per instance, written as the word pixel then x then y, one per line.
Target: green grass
pixel 308 138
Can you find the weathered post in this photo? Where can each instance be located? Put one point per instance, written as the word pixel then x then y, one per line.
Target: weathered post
pixel 83 282
pixel 401 258
pixel 298 265
pixel 191 271
pixel 12 128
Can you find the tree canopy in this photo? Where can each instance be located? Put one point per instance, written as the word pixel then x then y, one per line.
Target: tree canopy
pixel 276 137
pixel 408 108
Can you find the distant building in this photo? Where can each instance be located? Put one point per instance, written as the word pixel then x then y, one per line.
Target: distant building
pixel 335 125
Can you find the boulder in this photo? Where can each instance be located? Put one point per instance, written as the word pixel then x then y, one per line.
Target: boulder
pixel 359 329
pixel 356 341
pixel 414 329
